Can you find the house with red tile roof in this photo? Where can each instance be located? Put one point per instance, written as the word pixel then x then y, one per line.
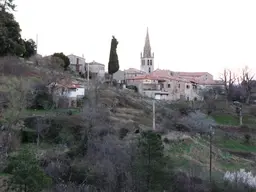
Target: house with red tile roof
pixel 67 89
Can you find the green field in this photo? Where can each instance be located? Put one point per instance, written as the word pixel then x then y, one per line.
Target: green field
pixel 229 119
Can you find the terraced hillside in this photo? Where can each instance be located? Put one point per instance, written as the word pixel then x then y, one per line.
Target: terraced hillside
pixel 184 131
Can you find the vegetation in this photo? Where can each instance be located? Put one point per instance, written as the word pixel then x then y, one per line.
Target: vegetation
pixel 64 58
pixel 26 174
pixel 10 38
pixel 11 42
pixel 106 144
pixel 150 163
pixel 113 64
pixel 7 5
pixel 30 48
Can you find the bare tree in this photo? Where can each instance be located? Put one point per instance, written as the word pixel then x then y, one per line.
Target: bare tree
pixel 228 79
pixel 16 89
pixel 41 128
pixel 52 75
pixel 247 83
pixel 13 66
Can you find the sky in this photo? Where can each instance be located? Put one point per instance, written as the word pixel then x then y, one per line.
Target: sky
pixel 185 35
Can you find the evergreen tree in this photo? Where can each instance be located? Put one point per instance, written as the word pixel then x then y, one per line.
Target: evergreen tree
pixel 26 173
pixel 30 48
pixel 113 64
pixel 64 58
pixel 11 42
pixel 150 163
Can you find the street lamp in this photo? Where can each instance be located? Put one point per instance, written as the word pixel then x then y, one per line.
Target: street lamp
pixel 211 135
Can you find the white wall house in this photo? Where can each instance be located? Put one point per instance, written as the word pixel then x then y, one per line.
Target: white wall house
pixel 77 63
pixel 74 92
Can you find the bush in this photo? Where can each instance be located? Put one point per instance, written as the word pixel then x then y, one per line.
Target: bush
pixel 166 140
pixel 253 110
pixel 133 87
pixel 80 102
pixel 39 98
pixel 247 138
pixel 13 66
pixel 123 132
pixel 195 122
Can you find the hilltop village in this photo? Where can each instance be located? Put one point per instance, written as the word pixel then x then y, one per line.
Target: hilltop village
pixel 155 83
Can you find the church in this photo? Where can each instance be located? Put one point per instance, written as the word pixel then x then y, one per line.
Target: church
pixel 166 84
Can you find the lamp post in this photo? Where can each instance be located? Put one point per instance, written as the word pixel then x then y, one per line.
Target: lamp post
pixel 211 135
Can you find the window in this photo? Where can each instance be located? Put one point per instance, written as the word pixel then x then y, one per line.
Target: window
pixel 150 62
pixel 149 70
pixel 179 86
pixel 187 86
pixel 169 85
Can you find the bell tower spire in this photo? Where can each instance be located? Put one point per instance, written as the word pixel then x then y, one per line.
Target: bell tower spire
pixel 147 58
pixel 147 47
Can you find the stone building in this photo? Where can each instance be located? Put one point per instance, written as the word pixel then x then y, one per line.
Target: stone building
pixel 77 63
pixel 166 84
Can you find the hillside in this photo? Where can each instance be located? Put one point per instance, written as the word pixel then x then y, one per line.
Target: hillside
pixel 96 142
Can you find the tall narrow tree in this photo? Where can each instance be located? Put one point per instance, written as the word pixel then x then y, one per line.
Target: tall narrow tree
pixel 113 64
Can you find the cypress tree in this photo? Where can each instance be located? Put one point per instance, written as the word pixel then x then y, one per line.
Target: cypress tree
pixel 113 64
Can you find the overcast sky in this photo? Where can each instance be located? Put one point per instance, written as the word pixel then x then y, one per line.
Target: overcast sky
pixel 185 35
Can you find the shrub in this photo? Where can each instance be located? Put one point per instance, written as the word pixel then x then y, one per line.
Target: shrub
pixel 166 140
pixel 247 138
pixel 123 132
pixel 39 98
pixel 195 122
pixel 253 110
pixel 133 87
pixel 13 66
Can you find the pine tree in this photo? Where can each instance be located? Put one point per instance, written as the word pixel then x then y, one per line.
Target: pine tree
pixel 11 42
pixel 26 173
pixel 150 163
pixel 113 64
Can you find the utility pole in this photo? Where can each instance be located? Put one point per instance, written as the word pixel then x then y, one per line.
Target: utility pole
pixel 37 43
pixel 211 135
pixel 154 115
pixel 240 116
pixel 88 84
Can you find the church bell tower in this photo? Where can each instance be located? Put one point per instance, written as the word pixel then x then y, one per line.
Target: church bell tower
pixel 147 58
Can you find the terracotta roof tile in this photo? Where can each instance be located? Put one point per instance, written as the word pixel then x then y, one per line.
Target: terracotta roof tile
pixel 132 70
pixel 192 74
pixel 161 74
